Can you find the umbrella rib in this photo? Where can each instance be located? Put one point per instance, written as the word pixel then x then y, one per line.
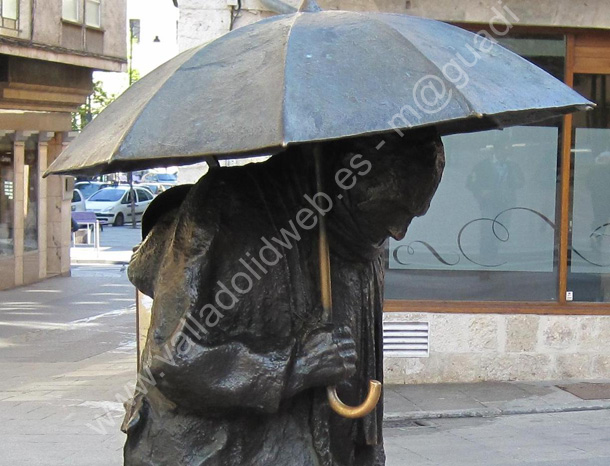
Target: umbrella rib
pixel 139 112
pixel 283 107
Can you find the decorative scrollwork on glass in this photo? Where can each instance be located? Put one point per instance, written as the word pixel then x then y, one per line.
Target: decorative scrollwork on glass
pixel 500 232
pixel 411 251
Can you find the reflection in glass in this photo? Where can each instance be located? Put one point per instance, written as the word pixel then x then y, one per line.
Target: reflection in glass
pixel 492 219
pixel 494 182
pixel 589 271
pixel 6 197
pixel 490 233
pixel 30 198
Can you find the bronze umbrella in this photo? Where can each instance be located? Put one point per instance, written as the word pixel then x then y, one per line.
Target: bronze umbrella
pixel 315 76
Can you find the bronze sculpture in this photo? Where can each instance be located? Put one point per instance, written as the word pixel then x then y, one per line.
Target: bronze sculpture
pixel 238 356
pixel 240 352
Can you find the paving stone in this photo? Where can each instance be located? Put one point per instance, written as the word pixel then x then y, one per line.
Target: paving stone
pixel 561 439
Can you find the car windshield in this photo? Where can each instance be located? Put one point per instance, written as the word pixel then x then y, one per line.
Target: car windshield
pixel 107 195
pixel 87 189
pixel 166 177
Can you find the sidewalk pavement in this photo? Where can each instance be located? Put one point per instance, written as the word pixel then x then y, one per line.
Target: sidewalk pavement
pixel 67 361
pixel 483 399
pixel 67 348
pixel 116 247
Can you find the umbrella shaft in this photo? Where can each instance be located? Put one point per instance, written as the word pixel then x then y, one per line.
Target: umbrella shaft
pixel 323 250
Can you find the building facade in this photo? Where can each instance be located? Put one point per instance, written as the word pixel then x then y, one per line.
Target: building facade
pixel 48 51
pixel 508 275
pixel 152 39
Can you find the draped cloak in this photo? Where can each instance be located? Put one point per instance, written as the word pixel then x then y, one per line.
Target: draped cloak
pixel 218 397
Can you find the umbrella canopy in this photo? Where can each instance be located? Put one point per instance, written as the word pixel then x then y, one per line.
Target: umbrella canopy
pixel 314 76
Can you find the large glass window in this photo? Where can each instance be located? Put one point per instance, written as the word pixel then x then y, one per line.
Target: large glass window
pixel 6 197
pixel 491 231
pixel 10 13
pixel 71 10
pixel 589 268
pixel 30 198
pixel 93 13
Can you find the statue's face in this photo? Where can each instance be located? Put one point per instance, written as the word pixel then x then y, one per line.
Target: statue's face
pixel 399 187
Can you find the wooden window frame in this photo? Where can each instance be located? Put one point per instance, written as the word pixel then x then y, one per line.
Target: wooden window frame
pixel 576 61
pixel 79 11
pixel 92 26
pixel 5 21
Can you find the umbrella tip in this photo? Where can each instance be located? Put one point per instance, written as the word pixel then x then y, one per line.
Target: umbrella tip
pixel 309 6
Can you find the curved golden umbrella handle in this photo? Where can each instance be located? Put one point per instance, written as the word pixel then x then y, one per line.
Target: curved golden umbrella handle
pixel 351 412
pixel 355 412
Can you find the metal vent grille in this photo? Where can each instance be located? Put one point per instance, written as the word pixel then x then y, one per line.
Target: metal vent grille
pixel 406 339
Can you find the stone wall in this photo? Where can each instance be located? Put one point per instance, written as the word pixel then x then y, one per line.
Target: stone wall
pixel 48 24
pixel 475 347
pixel 204 20
pixel 564 13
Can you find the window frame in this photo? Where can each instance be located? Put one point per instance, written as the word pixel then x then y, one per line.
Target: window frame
pixel 79 12
pixel 575 62
pixel 31 180
pixel 126 199
pixel 99 11
pixel 5 20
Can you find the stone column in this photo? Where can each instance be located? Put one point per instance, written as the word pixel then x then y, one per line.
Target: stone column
pixel 67 186
pixel 43 146
pixel 58 198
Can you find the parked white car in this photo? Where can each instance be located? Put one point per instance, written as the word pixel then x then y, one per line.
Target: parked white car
pixel 113 205
pixel 78 201
pixel 154 188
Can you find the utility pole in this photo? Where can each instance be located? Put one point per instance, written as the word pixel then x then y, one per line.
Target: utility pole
pixel 132 193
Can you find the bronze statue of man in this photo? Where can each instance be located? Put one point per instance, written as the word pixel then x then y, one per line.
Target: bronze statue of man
pixel 238 356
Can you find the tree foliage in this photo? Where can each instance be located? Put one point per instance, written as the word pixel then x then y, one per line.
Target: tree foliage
pixel 134 75
pixel 96 102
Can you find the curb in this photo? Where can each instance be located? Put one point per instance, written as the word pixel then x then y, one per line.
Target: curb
pixel 390 418
pixel 98 262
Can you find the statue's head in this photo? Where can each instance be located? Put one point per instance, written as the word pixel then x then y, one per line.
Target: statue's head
pixel 402 178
